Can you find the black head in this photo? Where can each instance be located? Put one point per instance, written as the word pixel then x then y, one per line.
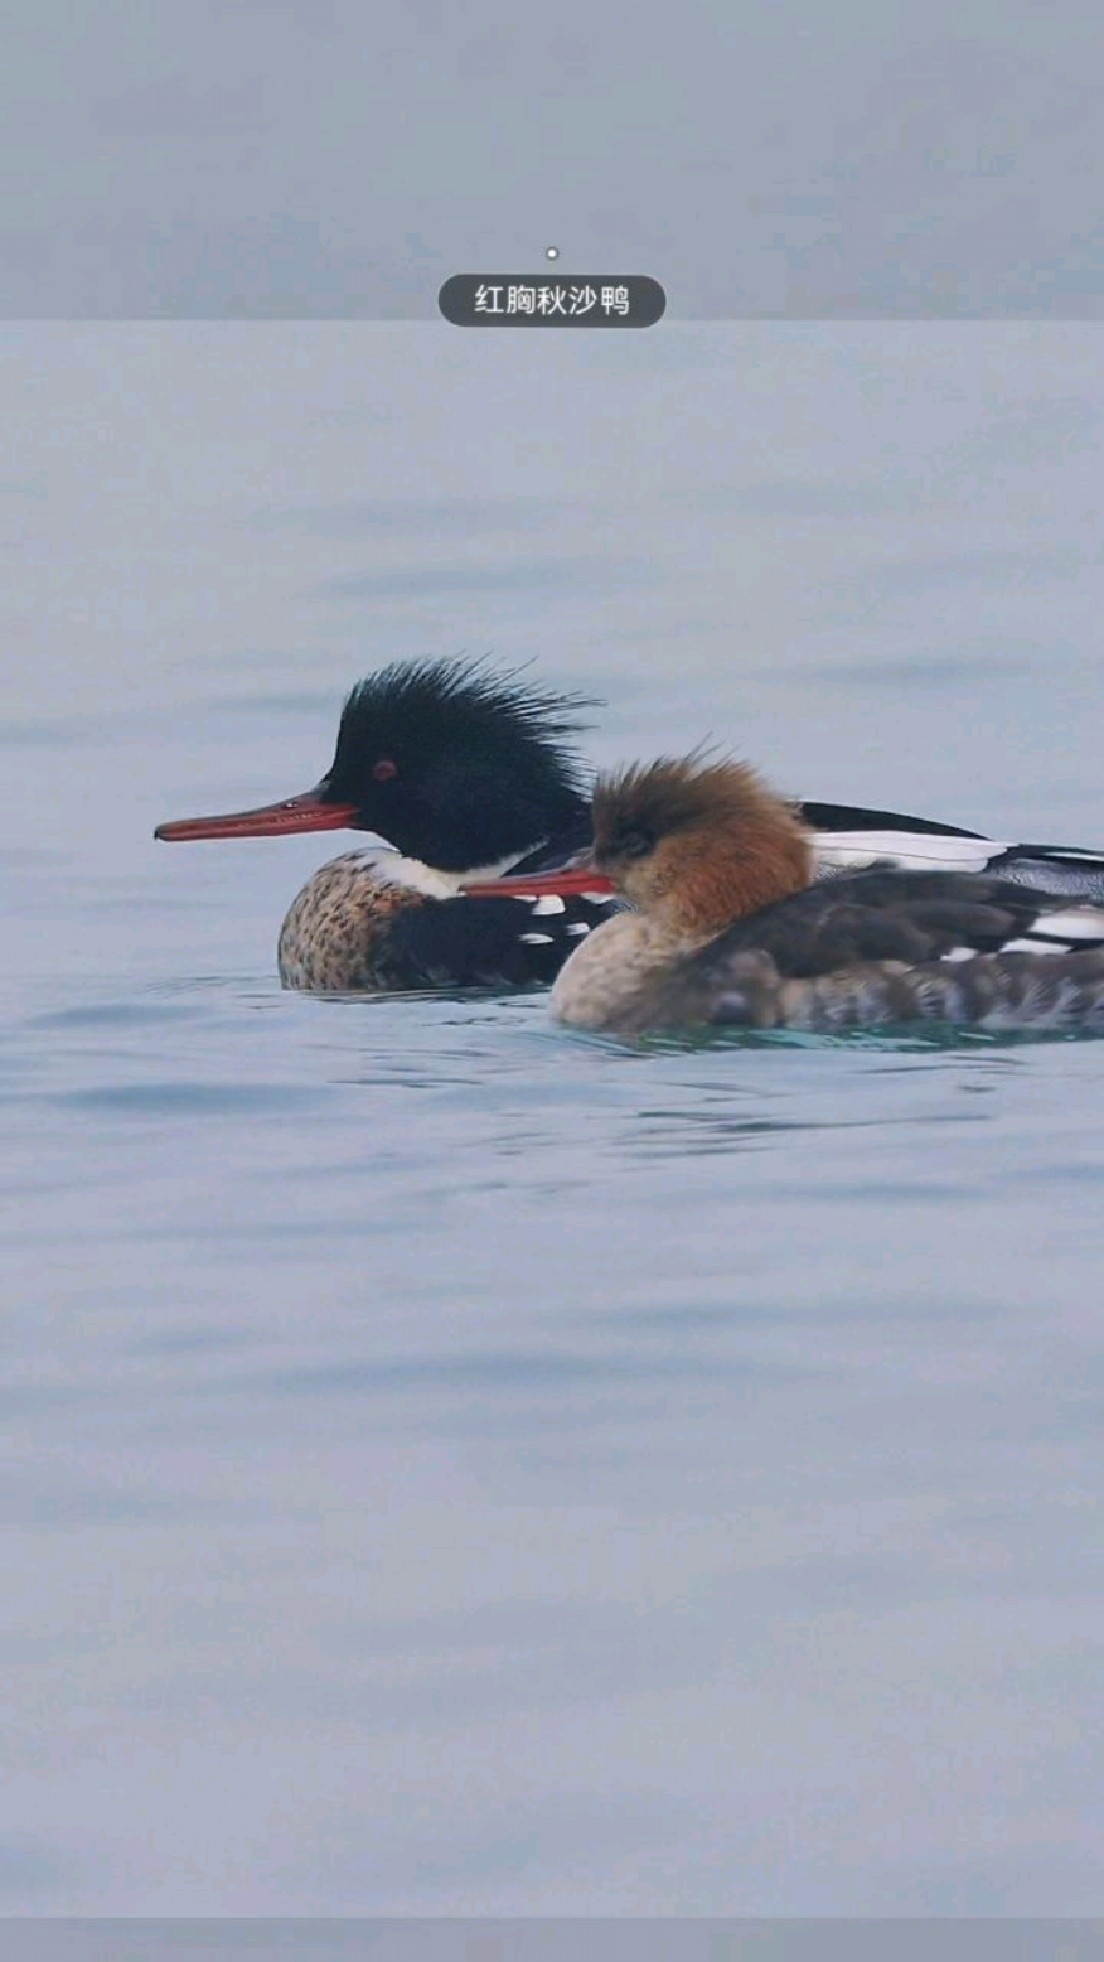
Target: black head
pixel 456 764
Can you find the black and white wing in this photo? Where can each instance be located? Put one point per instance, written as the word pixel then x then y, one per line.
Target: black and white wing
pixel 483 942
pixel 847 838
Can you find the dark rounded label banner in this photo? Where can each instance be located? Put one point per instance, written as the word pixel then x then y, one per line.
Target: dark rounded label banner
pixel 559 300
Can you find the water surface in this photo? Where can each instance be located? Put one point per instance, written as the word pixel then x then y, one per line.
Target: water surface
pixel 455 1467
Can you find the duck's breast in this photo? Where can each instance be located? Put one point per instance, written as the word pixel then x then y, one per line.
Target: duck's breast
pixel 334 925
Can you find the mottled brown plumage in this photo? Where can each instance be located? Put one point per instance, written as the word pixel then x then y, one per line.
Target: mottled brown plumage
pixel 329 940
pixel 992 991
pixel 730 930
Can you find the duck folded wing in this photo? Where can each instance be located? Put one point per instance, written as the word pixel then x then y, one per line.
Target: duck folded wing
pixel 909 917
pixel 483 943
pixel 880 949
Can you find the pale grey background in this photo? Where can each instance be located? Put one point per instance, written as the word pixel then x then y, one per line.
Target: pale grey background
pixel 322 158
pixel 451 1467
pixel 702 1940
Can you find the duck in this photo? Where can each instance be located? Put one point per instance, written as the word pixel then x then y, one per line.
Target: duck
pixel 726 924
pixel 460 772
pixel 463 772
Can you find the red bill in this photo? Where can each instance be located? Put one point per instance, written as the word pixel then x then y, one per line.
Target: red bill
pixel 568 882
pixel 304 813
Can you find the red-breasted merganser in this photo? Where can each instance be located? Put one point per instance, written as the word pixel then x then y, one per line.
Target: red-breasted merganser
pixel 731 927
pixel 466 772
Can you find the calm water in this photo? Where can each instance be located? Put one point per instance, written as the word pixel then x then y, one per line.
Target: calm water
pixel 457 1467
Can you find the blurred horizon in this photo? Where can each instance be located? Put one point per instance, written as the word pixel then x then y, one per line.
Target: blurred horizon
pixel 310 159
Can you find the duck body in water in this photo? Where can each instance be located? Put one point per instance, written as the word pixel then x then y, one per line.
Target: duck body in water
pixel 731 927
pixel 466 773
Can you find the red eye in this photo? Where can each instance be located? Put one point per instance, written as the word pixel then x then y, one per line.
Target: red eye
pixel 384 770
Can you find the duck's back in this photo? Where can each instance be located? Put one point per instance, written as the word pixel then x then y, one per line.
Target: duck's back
pixel 885 947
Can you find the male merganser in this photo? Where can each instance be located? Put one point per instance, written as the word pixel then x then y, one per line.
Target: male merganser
pixel 464 772
pixel 731 926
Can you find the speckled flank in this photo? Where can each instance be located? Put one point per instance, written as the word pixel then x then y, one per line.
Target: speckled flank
pixel 328 940
pixel 991 991
pixel 628 979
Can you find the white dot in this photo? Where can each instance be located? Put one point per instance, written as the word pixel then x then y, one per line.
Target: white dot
pixel 552 252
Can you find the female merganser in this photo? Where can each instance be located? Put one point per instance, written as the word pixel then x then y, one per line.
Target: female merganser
pixel 731 927
pixel 465 772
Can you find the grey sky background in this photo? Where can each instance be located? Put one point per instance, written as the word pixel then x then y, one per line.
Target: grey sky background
pixel 314 158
